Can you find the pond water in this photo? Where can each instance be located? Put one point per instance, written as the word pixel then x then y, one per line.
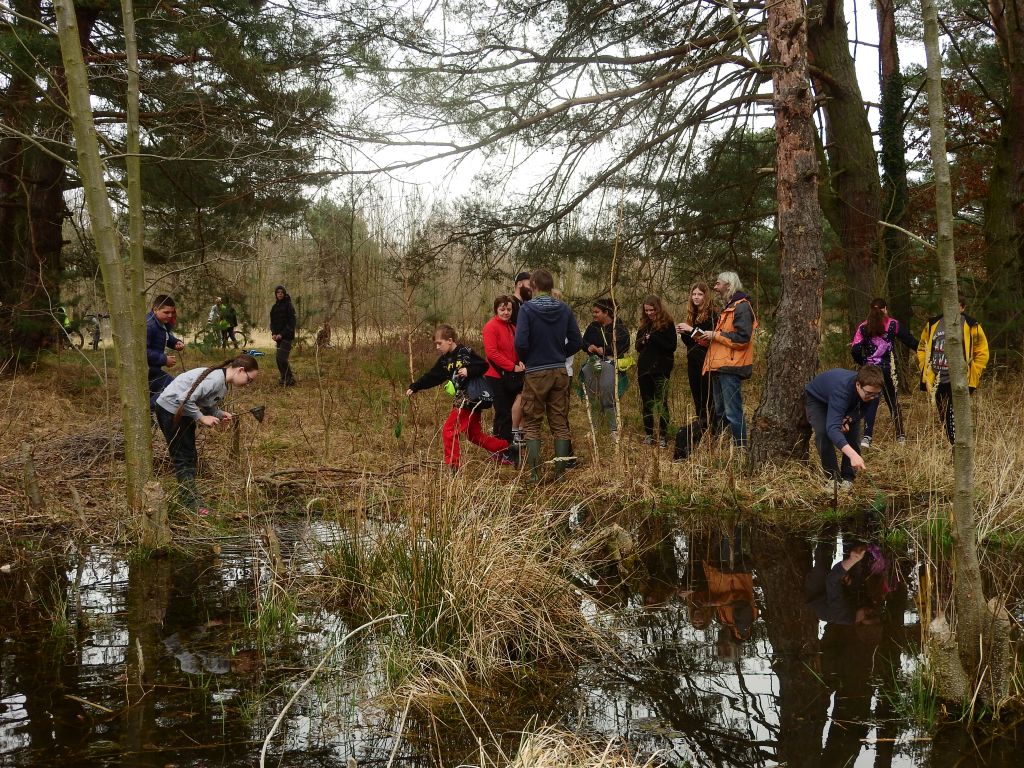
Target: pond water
pixel 175 662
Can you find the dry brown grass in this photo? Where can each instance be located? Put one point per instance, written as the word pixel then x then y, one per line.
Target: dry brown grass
pixel 354 442
pixel 555 748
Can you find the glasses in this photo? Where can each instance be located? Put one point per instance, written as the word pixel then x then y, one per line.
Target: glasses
pixel 870 394
pixel 248 378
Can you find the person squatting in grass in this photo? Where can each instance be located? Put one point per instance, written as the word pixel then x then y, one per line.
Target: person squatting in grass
pixel 730 356
pixel 546 334
pixel 835 403
pixel 873 344
pixel 606 340
pixel 193 399
pixel 656 345
pixel 504 373
pixel 931 358
pixel 158 340
pixel 457 365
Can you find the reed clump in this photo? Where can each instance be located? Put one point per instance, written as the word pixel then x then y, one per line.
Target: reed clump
pixel 551 747
pixel 482 595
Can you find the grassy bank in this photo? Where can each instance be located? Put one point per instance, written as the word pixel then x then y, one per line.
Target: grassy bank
pixel 347 439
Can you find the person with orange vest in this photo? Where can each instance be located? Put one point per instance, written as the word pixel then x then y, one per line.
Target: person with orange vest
pixel 730 356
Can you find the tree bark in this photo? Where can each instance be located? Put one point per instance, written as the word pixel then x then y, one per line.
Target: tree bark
pixel 128 330
pixel 32 209
pixel 1004 203
pixel 968 594
pixel 895 244
pixel 853 167
pixel 792 357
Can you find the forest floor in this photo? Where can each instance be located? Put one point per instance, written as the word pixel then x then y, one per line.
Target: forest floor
pixel 346 438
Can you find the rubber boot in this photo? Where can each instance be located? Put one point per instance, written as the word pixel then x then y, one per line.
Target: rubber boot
pixel 533 460
pixel 513 454
pixel 563 455
pixel 570 462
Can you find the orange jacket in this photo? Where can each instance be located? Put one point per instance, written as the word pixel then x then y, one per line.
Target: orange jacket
pixel 732 348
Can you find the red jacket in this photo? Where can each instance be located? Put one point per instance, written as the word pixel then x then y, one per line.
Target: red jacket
pixel 499 346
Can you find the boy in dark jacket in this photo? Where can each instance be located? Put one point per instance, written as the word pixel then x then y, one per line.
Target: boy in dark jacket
pixel 282 331
pixel 546 335
pixel 456 366
pixel 158 340
pixel 836 402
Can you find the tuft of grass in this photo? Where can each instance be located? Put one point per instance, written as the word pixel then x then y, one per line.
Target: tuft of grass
pixel 482 592
pixel 551 747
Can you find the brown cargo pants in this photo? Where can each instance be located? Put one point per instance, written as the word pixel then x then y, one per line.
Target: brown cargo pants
pixel 546 392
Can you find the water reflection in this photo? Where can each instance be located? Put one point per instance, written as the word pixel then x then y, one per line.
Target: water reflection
pixel 739 647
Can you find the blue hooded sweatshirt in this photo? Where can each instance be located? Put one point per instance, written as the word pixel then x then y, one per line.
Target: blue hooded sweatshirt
pixel 546 333
pixel 837 390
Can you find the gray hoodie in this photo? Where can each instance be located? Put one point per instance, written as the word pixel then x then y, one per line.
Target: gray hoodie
pixel 205 400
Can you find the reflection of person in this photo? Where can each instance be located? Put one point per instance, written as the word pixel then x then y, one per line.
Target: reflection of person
pixel 730 356
pixel 656 343
pixel 723 587
pixel 193 399
pixel 282 331
pixel 605 340
pixel 847 597
pixel 931 357
pixel 835 402
pixel 545 335
pixel 158 340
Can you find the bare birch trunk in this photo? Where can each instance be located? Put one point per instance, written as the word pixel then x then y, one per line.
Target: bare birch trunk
pixel 126 318
pixel 793 351
pixel 968 592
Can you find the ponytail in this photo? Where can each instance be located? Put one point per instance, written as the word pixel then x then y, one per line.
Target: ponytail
pixel 875 324
pixel 245 362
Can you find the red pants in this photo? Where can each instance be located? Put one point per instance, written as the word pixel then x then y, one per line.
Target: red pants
pixel 467 421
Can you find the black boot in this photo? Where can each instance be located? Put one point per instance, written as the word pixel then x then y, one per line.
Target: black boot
pixel 533 460
pixel 563 456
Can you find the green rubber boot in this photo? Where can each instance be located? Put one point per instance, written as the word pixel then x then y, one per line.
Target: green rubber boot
pixel 563 456
pixel 533 459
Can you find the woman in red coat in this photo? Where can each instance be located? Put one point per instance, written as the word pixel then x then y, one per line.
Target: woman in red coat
pixel 504 371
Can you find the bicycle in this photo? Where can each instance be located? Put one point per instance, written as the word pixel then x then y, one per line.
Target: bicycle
pixel 209 337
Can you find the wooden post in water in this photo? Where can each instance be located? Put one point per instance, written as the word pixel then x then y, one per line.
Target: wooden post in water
pixel 29 480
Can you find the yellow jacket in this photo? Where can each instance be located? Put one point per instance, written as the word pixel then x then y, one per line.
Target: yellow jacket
pixel 975 351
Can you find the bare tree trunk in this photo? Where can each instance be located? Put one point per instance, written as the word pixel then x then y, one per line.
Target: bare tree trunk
pixel 1004 204
pixel 968 594
pixel 125 316
pixel 792 357
pixel 853 167
pixel 895 244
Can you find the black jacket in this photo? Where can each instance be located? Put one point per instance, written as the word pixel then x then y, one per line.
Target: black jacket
pixel 657 350
pixel 695 352
pixel 447 365
pixel 601 336
pixel 282 318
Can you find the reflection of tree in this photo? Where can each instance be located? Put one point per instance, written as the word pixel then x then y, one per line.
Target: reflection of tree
pixel 149 588
pixel 677 677
pixel 782 563
pixel 41 667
